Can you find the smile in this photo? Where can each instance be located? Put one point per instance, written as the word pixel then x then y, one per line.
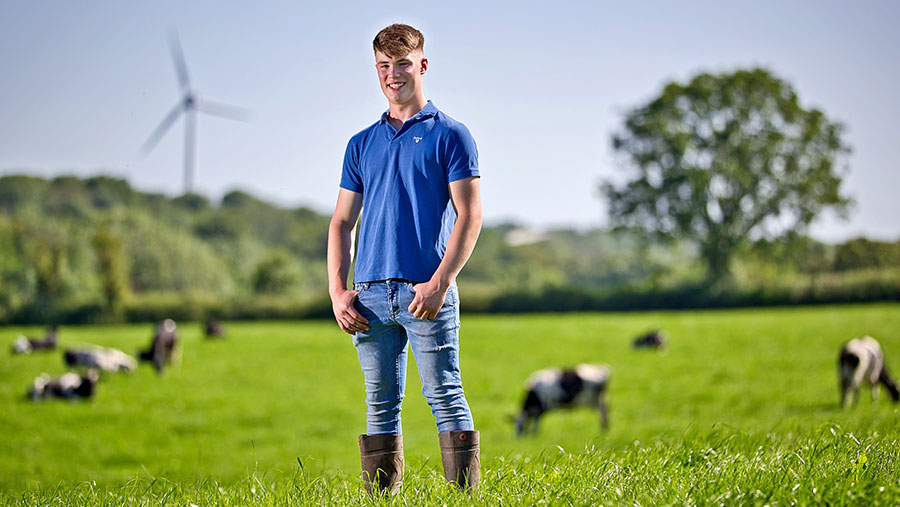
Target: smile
pixel 395 86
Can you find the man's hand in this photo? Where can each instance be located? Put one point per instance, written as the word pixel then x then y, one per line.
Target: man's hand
pixel 428 300
pixel 349 320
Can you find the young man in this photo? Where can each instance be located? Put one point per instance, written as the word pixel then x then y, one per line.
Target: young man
pixel 414 173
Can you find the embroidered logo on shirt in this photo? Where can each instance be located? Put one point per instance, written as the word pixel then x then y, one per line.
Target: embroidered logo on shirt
pixel 417 139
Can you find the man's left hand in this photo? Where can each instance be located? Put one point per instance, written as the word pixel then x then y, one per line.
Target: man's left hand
pixel 428 300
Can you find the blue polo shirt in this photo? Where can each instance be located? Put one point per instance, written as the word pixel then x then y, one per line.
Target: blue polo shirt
pixel 403 176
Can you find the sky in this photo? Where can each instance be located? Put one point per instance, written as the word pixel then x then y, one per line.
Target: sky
pixel 542 86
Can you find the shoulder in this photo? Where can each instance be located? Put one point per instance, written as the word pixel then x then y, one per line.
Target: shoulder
pixel 454 137
pixel 451 127
pixel 363 135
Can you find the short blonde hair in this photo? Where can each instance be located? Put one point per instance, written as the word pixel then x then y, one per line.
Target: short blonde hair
pixel 398 40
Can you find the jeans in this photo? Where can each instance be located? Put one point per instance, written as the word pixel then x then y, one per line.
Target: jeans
pixel 382 354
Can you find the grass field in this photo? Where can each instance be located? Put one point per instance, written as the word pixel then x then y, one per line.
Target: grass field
pixel 741 409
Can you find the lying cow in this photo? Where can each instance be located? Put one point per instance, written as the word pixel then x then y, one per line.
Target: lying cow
pixel 101 358
pixel 582 386
pixel 655 339
pixel 861 362
pixel 162 346
pixel 68 386
pixel 25 345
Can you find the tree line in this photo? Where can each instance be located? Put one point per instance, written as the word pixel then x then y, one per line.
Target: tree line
pixel 97 250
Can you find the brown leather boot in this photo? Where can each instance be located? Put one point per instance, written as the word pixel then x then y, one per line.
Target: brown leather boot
pixel 382 462
pixel 461 456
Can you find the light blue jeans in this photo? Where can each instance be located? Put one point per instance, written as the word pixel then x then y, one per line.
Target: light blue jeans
pixel 382 354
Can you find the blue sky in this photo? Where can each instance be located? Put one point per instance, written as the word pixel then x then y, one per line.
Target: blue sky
pixel 541 85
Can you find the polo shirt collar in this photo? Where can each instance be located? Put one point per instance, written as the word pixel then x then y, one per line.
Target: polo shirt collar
pixel 428 111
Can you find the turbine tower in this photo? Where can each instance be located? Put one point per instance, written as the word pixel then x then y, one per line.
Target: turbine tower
pixel 189 105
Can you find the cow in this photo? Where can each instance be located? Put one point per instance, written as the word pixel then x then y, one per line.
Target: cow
pixel 584 385
pixel 69 386
pixel 162 346
pixel 861 362
pixel 214 329
pixel 655 339
pixel 25 345
pixel 100 358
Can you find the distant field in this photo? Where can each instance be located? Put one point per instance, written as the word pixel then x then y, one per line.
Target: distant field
pixel 741 408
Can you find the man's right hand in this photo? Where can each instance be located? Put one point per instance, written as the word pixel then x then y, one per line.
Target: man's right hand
pixel 348 319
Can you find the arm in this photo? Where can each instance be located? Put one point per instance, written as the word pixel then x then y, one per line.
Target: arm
pixel 466 197
pixel 346 212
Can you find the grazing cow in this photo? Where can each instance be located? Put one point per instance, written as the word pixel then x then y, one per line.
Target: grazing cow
pixel 861 362
pixel 69 386
pixel 25 345
pixel 655 339
pixel 582 386
pixel 215 329
pixel 100 358
pixel 162 346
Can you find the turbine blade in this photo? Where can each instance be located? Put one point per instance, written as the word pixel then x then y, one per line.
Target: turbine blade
pixel 157 134
pixel 223 110
pixel 178 58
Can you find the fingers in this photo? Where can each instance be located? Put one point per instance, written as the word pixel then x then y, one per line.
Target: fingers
pixel 356 317
pixel 419 311
pixel 348 319
pixel 350 326
pixel 427 302
pixel 352 322
pixel 415 309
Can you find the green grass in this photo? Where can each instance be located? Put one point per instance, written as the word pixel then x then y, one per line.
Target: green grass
pixel 741 409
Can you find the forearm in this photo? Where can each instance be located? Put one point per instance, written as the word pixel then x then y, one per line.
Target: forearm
pixel 459 248
pixel 338 256
pixel 339 244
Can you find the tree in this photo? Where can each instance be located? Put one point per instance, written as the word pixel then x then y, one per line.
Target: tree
pixel 725 159
pixel 18 190
pixel 275 274
pixel 48 257
pixel 111 268
pixel 862 253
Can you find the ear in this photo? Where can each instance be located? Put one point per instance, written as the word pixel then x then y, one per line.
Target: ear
pixel 424 65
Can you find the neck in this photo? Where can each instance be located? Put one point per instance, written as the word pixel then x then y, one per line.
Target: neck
pixel 399 113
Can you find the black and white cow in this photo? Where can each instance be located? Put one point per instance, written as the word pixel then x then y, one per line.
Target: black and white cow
pixel 861 363
pixel 162 346
pixel 584 385
pixel 655 339
pixel 25 345
pixel 100 358
pixel 69 386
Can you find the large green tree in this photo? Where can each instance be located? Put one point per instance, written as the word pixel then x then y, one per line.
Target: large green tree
pixel 724 159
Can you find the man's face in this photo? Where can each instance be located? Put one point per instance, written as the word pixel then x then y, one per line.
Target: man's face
pixel 401 77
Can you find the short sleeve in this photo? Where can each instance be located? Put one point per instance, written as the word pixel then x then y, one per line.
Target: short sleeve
pixel 351 178
pixel 460 155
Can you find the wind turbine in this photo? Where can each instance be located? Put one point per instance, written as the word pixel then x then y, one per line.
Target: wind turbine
pixel 189 105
